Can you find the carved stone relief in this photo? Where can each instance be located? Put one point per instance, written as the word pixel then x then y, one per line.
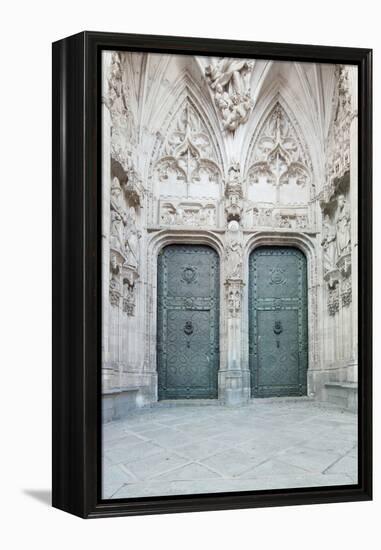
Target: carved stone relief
pixel 336 242
pixel 234 193
pixel 346 292
pixel 343 227
pixel 338 149
pixel 188 153
pixel 189 214
pixel 266 216
pixel 234 250
pixel 333 298
pixel 123 127
pixel 227 80
pixel 124 250
pixel 278 156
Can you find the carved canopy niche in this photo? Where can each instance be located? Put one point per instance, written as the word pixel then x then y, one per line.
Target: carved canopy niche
pixel 188 165
pixel 279 168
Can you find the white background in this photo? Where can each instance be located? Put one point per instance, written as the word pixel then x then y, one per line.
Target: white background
pixel 27 30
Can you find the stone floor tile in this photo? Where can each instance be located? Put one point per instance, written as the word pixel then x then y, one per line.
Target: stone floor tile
pixel 159 463
pixel 231 463
pixel 311 460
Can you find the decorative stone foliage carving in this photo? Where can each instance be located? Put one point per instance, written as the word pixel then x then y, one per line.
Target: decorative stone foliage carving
pixel 233 193
pixel 188 153
pixel 227 80
pixel 189 214
pixel 278 156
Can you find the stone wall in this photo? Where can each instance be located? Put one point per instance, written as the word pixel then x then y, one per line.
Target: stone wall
pixel 234 154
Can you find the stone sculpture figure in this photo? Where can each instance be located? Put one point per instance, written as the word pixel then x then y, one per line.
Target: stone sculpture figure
pixel 329 244
pixel 343 227
pixel 234 250
pixel 132 240
pixel 226 79
pixel 228 71
pixel 118 218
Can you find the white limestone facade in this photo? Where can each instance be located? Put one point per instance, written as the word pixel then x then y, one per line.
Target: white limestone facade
pixel 233 154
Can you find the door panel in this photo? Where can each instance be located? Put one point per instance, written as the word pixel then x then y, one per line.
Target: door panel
pixel 188 320
pixel 278 322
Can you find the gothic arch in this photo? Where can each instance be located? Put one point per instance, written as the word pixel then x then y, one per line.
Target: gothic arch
pixel 278 155
pixel 186 90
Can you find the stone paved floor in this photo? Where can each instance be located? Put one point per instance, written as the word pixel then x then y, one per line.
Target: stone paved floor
pixel 268 444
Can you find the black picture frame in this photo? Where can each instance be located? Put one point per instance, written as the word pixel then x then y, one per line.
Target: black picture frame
pixel 76 273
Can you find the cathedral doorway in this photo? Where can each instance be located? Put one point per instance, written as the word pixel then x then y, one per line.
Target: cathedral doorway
pixel 188 322
pixel 278 341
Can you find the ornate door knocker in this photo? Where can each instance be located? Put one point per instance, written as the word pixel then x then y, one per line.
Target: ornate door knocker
pixel 278 329
pixel 188 329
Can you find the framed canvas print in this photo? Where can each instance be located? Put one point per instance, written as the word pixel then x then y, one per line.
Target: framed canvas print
pixel 212 274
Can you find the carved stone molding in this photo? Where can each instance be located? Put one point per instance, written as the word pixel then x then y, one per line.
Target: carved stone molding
pixel 227 80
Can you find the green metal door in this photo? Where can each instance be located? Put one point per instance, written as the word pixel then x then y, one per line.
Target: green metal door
pixel 278 346
pixel 188 322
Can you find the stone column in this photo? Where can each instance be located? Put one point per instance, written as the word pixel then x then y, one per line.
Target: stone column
pixel 234 382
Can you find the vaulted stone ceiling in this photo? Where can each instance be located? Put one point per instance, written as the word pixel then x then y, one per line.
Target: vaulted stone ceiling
pixel 156 83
